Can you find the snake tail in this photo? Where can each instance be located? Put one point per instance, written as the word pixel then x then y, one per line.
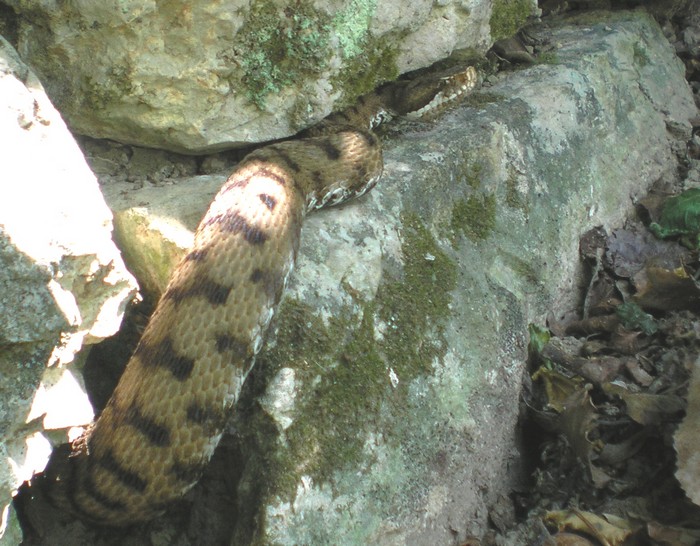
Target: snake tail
pixel 167 414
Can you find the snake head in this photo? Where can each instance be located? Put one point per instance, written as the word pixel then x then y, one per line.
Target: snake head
pixel 424 94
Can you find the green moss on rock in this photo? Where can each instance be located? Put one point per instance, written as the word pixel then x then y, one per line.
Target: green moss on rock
pixel 100 93
pixel 521 267
pixel 641 57
pixel 368 61
pixel 507 16
pixel 363 73
pixel 342 368
pixel 305 344
pixel 343 380
pixel 339 404
pixel 547 57
pixel 515 199
pixel 351 26
pixel 471 173
pixel 282 46
pixel 150 257
pixel 414 306
pixel 475 216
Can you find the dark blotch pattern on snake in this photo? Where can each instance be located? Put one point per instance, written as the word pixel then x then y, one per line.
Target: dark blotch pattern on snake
pixel 167 414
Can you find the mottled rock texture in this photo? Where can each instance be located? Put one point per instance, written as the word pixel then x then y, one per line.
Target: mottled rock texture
pixel 202 76
pixel 383 410
pixel 62 279
pixel 403 426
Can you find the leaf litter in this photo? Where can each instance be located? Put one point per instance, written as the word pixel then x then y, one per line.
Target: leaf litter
pixel 613 395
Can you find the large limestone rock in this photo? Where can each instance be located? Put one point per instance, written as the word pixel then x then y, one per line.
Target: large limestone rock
pixel 383 409
pixel 202 76
pixel 62 280
pixel 400 428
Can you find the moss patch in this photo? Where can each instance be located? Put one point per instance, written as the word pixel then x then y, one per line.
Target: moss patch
pixel 522 268
pixel 507 16
pixel 303 343
pixel 515 199
pixel 102 92
pixel 282 46
pixel 150 257
pixel 414 307
pixel 339 404
pixel 368 61
pixel 471 173
pixel 285 46
pixel 352 26
pixel 363 73
pixel 342 369
pixel 548 57
pixel 475 216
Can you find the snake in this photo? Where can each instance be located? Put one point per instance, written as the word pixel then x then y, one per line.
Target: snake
pixel 160 427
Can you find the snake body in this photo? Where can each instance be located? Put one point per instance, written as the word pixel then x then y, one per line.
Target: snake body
pixel 166 415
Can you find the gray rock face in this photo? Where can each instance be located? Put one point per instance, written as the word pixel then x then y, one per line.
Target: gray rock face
pixel 198 77
pixel 62 280
pixel 383 409
pixel 402 420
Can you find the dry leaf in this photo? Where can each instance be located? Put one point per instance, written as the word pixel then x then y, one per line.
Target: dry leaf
pixel 647 409
pixel 607 529
pixel 629 251
pixel 576 421
pixel 639 374
pixel 597 370
pixel 666 290
pixel 614 454
pixel 557 386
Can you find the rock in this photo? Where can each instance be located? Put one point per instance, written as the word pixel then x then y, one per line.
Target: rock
pixel 155 225
pixel 686 440
pixel 203 77
pixel 62 280
pixel 383 409
pixel 418 297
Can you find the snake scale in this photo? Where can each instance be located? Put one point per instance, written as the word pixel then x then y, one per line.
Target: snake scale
pixel 167 414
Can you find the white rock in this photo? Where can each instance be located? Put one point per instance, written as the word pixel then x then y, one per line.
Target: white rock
pixel 62 280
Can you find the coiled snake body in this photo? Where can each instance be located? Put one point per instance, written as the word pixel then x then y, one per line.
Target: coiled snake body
pixel 167 414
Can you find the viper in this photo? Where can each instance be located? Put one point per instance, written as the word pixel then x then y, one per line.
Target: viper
pixel 167 414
